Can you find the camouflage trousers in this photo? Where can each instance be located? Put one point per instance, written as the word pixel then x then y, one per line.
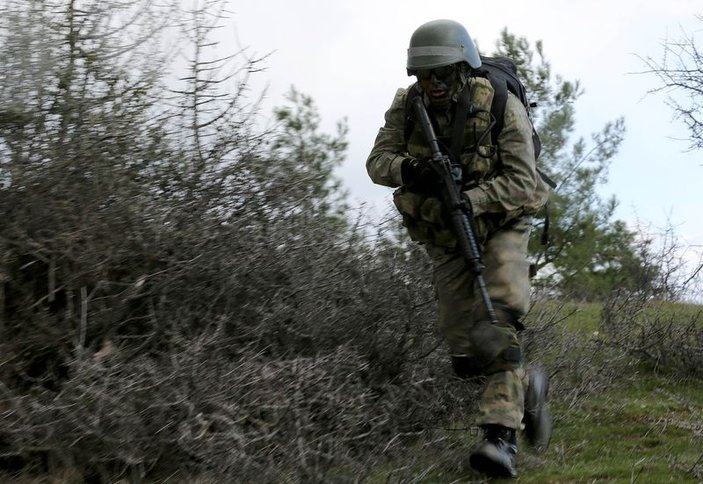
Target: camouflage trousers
pixel 506 273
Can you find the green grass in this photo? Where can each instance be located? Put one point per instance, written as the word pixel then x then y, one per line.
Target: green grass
pixel 647 431
pixel 577 317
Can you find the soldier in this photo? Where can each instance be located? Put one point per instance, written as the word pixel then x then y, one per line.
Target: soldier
pixel 504 191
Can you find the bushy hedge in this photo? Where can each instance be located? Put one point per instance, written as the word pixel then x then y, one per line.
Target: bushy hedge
pixel 299 354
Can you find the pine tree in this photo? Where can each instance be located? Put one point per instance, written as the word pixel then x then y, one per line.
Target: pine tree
pixel 590 253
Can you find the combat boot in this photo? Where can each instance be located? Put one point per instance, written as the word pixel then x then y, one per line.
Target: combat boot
pixel 537 419
pixel 496 455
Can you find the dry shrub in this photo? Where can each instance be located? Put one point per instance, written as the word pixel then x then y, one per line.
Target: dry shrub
pixel 666 337
pixel 299 355
pixel 240 419
pixel 579 360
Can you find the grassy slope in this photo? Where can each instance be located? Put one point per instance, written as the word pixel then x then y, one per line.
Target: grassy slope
pixel 646 428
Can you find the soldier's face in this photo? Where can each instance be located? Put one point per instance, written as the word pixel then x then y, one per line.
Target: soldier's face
pixel 437 83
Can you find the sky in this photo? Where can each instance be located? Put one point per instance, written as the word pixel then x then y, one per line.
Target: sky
pixel 349 55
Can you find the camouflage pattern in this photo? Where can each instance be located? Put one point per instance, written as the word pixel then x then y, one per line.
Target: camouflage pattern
pixel 478 167
pixel 505 191
pixel 507 186
pixel 502 401
pixel 506 274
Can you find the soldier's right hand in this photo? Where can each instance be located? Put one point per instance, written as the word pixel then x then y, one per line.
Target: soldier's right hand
pixel 420 175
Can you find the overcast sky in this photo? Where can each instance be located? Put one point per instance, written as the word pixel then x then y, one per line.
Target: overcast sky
pixel 349 55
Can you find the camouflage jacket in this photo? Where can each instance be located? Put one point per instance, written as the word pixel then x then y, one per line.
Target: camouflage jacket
pixel 503 186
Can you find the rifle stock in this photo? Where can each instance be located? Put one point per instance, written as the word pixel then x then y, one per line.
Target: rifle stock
pixel 460 212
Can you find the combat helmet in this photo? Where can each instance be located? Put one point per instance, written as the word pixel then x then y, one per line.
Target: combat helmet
pixel 440 43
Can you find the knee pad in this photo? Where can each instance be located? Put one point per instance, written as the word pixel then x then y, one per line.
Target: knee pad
pixel 495 346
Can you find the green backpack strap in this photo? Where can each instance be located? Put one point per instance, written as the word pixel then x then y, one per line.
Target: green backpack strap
pixel 413 92
pixel 460 117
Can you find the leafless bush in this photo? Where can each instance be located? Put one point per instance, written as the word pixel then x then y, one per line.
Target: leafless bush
pixel 277 350
pixel 665 337
pixel 211 405
pixel 579 363
pixel 651 325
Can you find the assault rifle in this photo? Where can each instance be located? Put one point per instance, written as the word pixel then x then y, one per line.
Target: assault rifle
pixel 459 209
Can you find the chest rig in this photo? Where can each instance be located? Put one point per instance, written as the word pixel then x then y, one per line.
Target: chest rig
pixel 465 136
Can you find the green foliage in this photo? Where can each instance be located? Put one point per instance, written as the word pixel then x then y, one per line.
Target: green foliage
pixel 305 158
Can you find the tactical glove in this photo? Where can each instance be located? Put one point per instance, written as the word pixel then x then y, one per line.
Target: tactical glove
pixel 420 175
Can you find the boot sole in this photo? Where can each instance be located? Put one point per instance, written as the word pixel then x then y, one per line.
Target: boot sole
pixel 490 467
pixel 538 422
